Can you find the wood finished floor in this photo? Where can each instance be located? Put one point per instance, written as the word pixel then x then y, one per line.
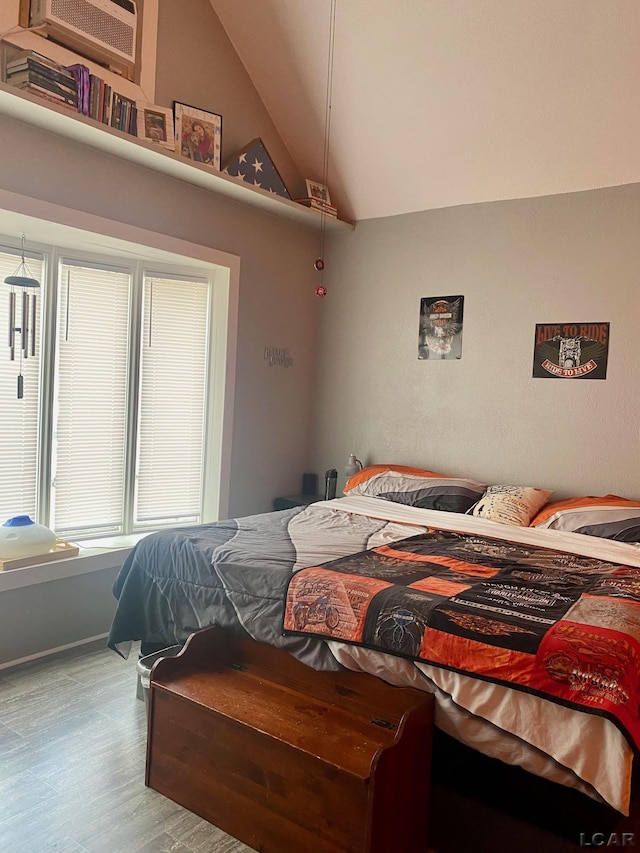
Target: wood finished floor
pixel 72 755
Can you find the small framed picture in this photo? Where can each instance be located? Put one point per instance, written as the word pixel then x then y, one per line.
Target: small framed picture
pixel 198 134
pixel 318 191
pixel 156 124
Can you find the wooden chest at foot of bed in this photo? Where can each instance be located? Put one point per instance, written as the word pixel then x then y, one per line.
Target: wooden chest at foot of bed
pixel 286 758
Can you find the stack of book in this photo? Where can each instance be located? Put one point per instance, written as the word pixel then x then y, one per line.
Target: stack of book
pixel 318 204
pixel 97 100
pixel 32 72
pixel 123 114
pixel 100 95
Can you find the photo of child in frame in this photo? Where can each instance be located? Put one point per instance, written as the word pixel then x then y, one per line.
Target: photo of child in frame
pixel 155 124
pixel 318 191
pixel 198 143
pixel 198 134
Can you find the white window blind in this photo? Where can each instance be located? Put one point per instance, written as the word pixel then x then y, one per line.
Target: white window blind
pixel 111 433
pixel 18 418
pixel 172 394
pixel 90 399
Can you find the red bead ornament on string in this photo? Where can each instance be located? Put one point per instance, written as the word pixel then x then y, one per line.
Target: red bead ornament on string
pixel 318 264
pixel 321 290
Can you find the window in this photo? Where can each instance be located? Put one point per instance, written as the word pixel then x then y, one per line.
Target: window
pixel 90 400
pixel 172 380
pixel 110 435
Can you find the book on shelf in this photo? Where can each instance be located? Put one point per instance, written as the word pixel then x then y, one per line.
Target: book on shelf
pixel 43 92
pixel 318 204
pixel 81 76
pixel 105 96
pixel 41 76
pixel 21 81
pixel 44 74
pixel 26 57
pixel 34 63
pixel 116 110
pixel 99 99
pixel 36 83
pixel 46 96
pixel 59 76
pixel 124 115
pixel 133 121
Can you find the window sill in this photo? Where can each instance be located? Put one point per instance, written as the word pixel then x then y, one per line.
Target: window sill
pixel 95 555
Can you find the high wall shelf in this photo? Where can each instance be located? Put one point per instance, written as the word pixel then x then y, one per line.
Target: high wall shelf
pixel 28 108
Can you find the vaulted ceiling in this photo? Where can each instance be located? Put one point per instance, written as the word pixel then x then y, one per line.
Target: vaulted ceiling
pixel 435 103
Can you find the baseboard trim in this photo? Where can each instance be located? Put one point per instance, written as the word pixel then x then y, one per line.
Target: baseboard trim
pixel 48 652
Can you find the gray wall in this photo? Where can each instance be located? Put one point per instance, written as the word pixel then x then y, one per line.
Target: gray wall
pixel 54 614
pixel 563 258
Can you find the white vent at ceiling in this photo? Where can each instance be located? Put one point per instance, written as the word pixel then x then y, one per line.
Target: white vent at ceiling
pixel 104 30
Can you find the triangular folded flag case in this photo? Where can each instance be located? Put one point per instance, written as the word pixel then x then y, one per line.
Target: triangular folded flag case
pixel 253 164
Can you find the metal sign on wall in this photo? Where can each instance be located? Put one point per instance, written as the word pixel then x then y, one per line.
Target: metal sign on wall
pixel 571 351
pixel 440 332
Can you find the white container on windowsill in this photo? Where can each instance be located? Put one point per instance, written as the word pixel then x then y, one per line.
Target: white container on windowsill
pixel 22 537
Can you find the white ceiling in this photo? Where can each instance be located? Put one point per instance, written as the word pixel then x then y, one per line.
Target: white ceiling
pixel 437 103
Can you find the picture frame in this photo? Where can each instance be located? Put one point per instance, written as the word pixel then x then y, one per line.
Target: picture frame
pixel 155 124
pixel 198 134
pixel 318 191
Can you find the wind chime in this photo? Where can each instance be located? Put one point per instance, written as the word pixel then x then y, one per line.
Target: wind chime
pixel 321 290
pixel 20 298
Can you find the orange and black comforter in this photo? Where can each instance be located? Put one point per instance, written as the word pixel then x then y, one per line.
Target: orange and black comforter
pixel 552 623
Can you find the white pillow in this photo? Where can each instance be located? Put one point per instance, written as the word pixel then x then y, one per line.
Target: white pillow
pixel 514 505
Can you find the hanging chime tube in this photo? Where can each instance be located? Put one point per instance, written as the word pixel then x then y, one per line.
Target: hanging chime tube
pixel 25 323
pixel 33 324
pixel 22 279
pixel 12 325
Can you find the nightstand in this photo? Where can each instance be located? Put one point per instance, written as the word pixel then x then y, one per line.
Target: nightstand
pixel 295 500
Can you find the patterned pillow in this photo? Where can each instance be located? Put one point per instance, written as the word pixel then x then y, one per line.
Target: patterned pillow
pixel 415 487
pixel 610 517
pixel 515 505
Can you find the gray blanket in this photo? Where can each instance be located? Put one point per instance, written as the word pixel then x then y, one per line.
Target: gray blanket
pixel 230 573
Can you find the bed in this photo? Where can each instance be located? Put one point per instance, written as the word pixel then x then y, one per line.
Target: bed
pixel 248 575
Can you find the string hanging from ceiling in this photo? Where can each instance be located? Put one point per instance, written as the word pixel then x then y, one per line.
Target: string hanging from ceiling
pixel 319 265
pixel 21 282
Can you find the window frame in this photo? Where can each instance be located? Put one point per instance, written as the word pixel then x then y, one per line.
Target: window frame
pixel 156 253
pixel 136 342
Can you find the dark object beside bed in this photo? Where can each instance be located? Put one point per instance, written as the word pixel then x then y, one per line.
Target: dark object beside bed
pixel 287 758
pixel 480 805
